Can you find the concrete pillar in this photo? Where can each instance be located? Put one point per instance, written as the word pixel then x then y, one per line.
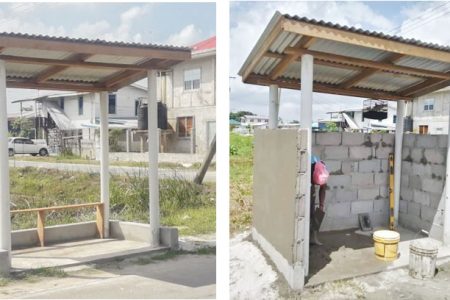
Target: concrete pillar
pixel 153 148
pixel 5 220
pixel 398 157
pixel 273 106
pixel 306 122
pixel 104 159
pixel 446 235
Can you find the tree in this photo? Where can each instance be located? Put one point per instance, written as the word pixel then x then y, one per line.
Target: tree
pixel 331 127
pixel 238 115
pixel 22 127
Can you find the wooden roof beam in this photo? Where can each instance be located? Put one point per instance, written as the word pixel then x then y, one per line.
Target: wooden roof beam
pixel 364 63
pixel 60 86
pixel 326 88
pixel 426 85
pixel 304 43
pixel 393 57
pixel 52 71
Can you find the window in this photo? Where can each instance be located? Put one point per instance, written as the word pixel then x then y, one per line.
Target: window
pixel 80 105
pixel 423 129
pixel 184 126
pixel 394 119
pixel 61 103
pixel 112 104
pixel 136 107
pixel 428 105
pixel 191 79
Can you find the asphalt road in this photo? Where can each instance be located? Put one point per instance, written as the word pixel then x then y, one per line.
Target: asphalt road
pixel 115 170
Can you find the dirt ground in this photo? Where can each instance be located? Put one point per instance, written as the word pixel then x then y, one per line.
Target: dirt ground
pixel 249 264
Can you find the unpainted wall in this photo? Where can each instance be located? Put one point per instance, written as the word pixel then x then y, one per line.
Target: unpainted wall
pixel 359 177
pixel 423 180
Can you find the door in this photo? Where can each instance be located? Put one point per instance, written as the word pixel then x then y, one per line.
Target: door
pixel 28 146
pixel 18 146
pixel 423 129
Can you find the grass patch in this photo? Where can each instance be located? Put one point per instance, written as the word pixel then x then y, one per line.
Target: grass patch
pixel 33 275
pixel 241 181
pixel 183 204
pixel 170 254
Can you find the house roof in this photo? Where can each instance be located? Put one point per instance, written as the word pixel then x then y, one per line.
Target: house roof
pixel 62 63
pixel 347 61
pixel 207 44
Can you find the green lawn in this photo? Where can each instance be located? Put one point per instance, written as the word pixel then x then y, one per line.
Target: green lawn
pixel 241 181
pixel 185 205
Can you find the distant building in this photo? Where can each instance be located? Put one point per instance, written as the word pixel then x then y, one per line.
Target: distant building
pixel 249 120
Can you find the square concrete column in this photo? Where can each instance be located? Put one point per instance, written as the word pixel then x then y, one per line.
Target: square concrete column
pixel 398 157
pixel 273 106
pixel 5 220
pixel 153 149
pixel 306 122
pixel 446 235
pixel 104 160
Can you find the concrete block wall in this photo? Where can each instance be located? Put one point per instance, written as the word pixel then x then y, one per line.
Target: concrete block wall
pixel 359 178
pixel 423 179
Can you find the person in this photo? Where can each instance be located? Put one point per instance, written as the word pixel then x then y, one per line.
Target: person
pixel 314 223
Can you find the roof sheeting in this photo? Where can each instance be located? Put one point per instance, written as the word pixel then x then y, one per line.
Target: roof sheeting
pixel 347 61
pixel 61 63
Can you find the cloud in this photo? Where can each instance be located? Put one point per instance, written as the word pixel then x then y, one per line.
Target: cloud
pixel 187 36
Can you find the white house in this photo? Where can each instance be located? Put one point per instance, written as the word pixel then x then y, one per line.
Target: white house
pixel 430 112
pixel 252 121
pixel 189 93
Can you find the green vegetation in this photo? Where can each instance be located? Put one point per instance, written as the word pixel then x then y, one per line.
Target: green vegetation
pixel 241 181
pixel 33 275
pixel 331 127
pixel 184 204
pixel 149 259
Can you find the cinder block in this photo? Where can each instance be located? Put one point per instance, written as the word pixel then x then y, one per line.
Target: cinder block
pixel 384 165
pixel 338 209
pixel 410 221
pixel 435 199
pixel 415 182
pixel 427 213
pixel 358 207
pixel 169 237
pixel 375 138
pixel 435 156
pixel 360 152
pixel 443 141
pixel 384 191
pixel 368 194
pixel 383 152
pixel 417 155
pixel 414 209
pixel 388 139
pixel 380 219
pixel 346 195
pixel 432 185
pixel 421 170
pixel 329 223
pixel 427 141
pixel 353 139
pixel 318 150
pixel 362 179
pixel 406 194
pixel 409 140
pixel 349 167
pixel 406 168
pixel 335 152
pixel 333 166
pixel 381 179
pixel 381 206
pixel 405 181
pixel 406 152
pixel 438 171
pixel 328 138
pixel 403 206
pixel 421 198
pixel 369 166
pixel 339 180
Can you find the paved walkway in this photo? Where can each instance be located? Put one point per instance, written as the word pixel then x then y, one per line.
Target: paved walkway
pixel 115 170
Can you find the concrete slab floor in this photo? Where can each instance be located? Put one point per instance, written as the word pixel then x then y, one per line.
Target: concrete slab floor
pixel 76 253
pixel 183 276
pixel 345 254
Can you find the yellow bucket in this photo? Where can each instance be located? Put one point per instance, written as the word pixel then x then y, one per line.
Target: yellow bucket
pixel 386 244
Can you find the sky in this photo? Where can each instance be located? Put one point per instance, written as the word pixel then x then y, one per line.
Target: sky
pixel 426 21
pixel 179 24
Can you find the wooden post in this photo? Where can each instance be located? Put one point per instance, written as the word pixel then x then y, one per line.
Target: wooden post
pixel 100 220
pixel 41 227
pixel 201 173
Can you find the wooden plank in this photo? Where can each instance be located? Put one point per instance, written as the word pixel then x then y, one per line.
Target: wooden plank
pixel 60 207
pixel 326 88
pixel 93 48
pixel 279 69
pixel 129 80
pixel 358 39
pixel 52 71
pixel 100 219
pixel 69 63
pixel 364 63
pixel 431 88
pixel 41 227
pixel 27 84
pixel 369 72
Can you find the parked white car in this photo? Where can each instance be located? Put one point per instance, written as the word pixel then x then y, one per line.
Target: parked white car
pixel 17 145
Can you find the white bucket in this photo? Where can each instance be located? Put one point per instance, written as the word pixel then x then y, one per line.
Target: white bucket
pixel 422 258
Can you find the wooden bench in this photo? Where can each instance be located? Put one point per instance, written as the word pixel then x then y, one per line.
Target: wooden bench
pixel 41 213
